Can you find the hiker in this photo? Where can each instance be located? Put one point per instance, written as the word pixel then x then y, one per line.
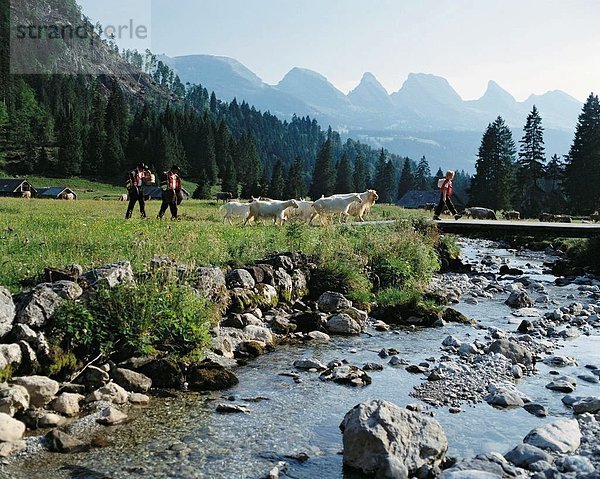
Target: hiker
pixel 137 177
pixel 171 194
pixel 445 185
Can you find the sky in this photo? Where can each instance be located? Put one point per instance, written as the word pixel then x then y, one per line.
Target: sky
pixel 527 46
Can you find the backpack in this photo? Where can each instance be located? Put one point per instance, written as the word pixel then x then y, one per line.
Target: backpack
pixel 441 182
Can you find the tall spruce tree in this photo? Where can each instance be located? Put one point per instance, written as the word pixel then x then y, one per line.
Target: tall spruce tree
pixel 530 196
pixel 387 189
pixel 360 177
pixel 230 181
pixel 407 179
pixel 295 186
pixel 323 180
pixel 423 175
pixel 344 182
pixel 493 183
pixel 277 185
pixel 582 171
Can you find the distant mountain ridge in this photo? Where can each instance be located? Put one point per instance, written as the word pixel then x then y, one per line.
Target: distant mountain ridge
pixel 424 106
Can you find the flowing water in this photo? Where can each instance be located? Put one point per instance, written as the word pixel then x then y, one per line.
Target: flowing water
pixel 185 438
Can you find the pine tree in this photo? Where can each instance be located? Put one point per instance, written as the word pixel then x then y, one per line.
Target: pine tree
pixel 323 182
pixel 230 182
pixel 530 196
pixel 277 185
pixel 213 102
pixel 493 183
pixel 554 172
pixel 387 189
pixel 70 151
pixel 361 174
pixel 407 179
pixel 379 180
pixel 582 172
pixel 295 184
pixel 344 182
pixel 438 176
pixel 423 175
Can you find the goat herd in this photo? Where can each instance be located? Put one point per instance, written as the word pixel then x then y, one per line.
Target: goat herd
pixel 487 214
pixel 355 205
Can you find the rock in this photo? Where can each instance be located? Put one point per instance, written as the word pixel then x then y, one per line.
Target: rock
pixel 14 399
pixel 111 416
pixel 7 311
pixel 210 376
pixel 251 349
pixel 569 400
pixel 383 439
pixel 330 302
pixel 467 349
pixel 505 269
pixel 395 361
pixel 536 409
pixel 51 420
pixel 232 408
pixel 372 367
pixel 12 355
pixel 564 384
pixel 29 361
pixel 164 373
pixel 503 396
pixel 381 326
pixel 343 324
pixel 111 392
pixel 452 342
pixel 258 333
pixel 22 332
pixel 356 314
pixel 10 448
pixel 67 404
pixel 416 369
pixel 94 377
pixel 515 352
pixel 240 278
pixel 111 274
pixel 284 284
pixel 559 361
pixel 488 463
pixel 525 454
pixel 452 315
pixel 306 364
pixel 562 436
pixel 516 371
pixel 526 327
pixel 37 306
pixel 139 399
pixel 211 284
pixel 346 375
pixel 526 313
pixel 10 429
pixel 267 296
pixel 578 464
pixel 519 299
pixel 588 378
pixel 132 381
pixel 589 404
pixel 59 441
pixel 318 337
pixel 40 388
pixel 467 474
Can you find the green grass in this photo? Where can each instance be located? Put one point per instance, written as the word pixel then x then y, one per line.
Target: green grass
pixel 35 234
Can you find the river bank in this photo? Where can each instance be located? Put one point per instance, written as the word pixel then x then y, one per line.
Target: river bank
pixel 184 436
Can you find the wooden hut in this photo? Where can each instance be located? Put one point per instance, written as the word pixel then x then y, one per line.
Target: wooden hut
pixel 16 188
pixel 57 193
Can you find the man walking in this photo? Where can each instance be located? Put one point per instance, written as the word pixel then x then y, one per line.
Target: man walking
pixel 171 192
pixel 135 186
pixel 445 185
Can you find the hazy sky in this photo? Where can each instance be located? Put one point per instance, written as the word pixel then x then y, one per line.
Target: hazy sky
pixel 527 46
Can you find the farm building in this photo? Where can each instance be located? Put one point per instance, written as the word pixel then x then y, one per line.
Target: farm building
pixel 155 193
pixel 56 193
pixel 16 187
pixel 420 199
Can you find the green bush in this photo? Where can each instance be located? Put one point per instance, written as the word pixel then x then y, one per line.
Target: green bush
pixel 344 277
pixel 390 297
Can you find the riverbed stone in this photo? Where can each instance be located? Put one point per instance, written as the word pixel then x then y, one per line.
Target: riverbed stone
pixel 131 380
pixel 51 419
pixel 211 284
pixel 559 361
pixel 7 311
pixel 318 337
pixel 487 463
pixel 210 376
pixel 589 404
pixel 111 392
pixel 564 384
pixel 577 464
pixel 41 389
pixel 67 404
pixel 517 353
pixel 503 396
pixel 536 409
pixel 525 454
pixel 164 373
pixel 10 429
pixel 331 302
pixel 562 436
pixel 59 441
pixel 35 307
pixel 258 333
pixel 111 416
pixel 383 439
pixel 347 375
pixel 343 324
pixel 309 363
pixel 451 341
pixel 14 399
pixel 240 278
pixel 225 408
pixel 9 448
pixel 139 399
pixel 519 299
pixel 468 474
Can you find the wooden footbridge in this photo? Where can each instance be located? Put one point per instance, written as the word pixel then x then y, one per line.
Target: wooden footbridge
pixel 537 229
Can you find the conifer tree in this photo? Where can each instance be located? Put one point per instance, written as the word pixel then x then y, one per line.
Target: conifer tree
pixel 582 171
pixel 407 179
pixel 295 184
pixel 438 176
pixel 344 182
pixel 361 175
pixel 277 185
pixel 423 175
pixel 387 189
pixel 379 179
pixel 70 151
pixel 323 182
pixel 230 181
pixel 530 197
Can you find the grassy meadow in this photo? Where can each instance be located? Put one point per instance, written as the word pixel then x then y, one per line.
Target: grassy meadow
pixel 35 234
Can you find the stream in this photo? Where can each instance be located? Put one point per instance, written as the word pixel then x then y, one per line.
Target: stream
pixel 183 437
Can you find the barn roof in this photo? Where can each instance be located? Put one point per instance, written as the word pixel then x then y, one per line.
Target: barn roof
pixel 11 185
pixel 54 191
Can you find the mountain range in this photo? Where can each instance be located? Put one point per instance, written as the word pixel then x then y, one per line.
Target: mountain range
pixel 426 116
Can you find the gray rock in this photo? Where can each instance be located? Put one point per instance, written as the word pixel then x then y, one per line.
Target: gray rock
pixel 383 439
pixel 40 388
pixel 536 409
pixel 562 435
pixel 225 408
pixel 67 404
pixel 111 416
pixel 577 464
pixel 132 381
pixel 517 353
pixel 589 404
pixel 111 274
pixel 10 429
pixel 347 375
pixel 211 284
pixel 343 324
pixel 467 349
pixel 23 332
pixel 258 333
pixel 12 355
pixel 356 314
pixel 306 364
pixel 111 392
pixel 240 278
pixel 503 396
pixel 59 441
pixel 7 311
pixel 37 306
pixel 9 448
pixel 519 299
pixel 318 336
pixel 559 361
pixel 467 474
pixel 14 399
pixel 330 302
pixel 451 341
pixel 284 284
pixel 51 420
pixel 266 295
pixel 525 454
pixel 94 377
pixel 139 399
pixel 565 384
pixel 488 463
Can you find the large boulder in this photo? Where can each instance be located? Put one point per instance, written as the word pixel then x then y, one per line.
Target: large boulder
pixel 483 466
pixel 258 333
pixel 111 392
pixel 562 436
pixel 563 384
pixel 343 324
pixel 240 278
pixel 10 429
pixel 7 311
pixel 210 376
pixel 503 396
pixel 164 373
pixel 59 441
pixel 519 300
pixel 211 284
pixel 589 404
pixel 131 381
pixel 13 399
pixel 40 388
pixel 383 439
pixel 12 355
pixel 67 404
pixel 284 284
pixel 524 455
pixel 37 306
pixel 111 274
pixel 515 352
pixel 330 302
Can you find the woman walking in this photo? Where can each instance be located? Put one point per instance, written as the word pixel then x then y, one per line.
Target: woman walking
pixel 445 185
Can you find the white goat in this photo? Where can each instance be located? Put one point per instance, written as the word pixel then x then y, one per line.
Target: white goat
pixel 235 209
pixel 359 210
pixel 331 205
pixel 304 211
pixel 270 209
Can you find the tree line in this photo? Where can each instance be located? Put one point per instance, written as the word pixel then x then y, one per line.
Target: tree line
pixel 510 177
